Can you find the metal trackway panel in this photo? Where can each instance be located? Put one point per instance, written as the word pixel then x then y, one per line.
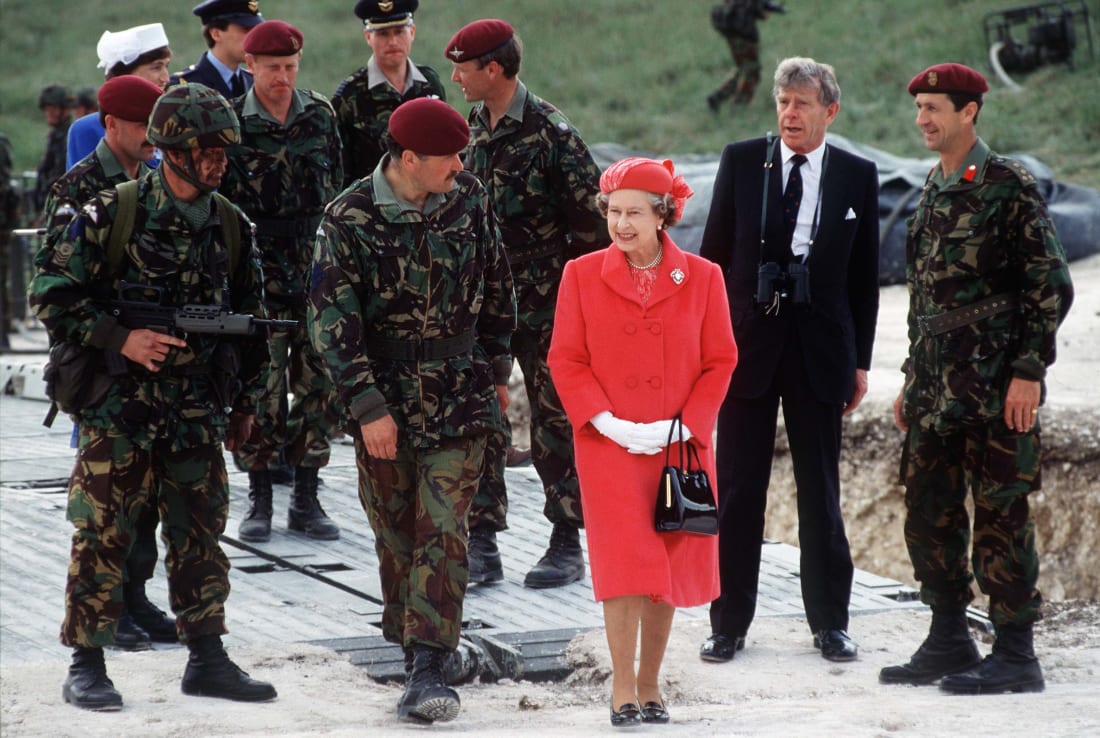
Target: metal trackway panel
pixel 294 589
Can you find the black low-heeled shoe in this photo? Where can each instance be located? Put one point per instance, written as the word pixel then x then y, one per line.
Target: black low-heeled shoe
pixel 628 714
pixel 654 712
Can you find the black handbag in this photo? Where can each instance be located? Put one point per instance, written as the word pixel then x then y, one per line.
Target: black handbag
pixel 685 501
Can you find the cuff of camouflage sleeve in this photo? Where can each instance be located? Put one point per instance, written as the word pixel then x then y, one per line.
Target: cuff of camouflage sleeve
pixel 107 334
pixel 905 365
pixel 371 406
pixel 1029 369
pixel 502 370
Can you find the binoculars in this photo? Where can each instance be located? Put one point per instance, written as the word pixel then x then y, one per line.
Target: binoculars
pixel 777 283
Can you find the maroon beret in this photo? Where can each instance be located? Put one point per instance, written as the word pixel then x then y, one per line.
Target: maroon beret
pixel 128 97
pixel 949 78
pixel 429 126
pixel 478 38
pixel 273 38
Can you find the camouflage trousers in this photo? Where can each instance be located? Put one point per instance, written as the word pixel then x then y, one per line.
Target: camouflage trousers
pixel 999 468
pixel 301 434
pixel 551 442
pixel 110 488
pixel 741 82
pixel 417 506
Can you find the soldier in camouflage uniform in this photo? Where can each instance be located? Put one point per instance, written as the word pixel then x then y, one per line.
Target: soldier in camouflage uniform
pixel 157 431
pixel 411 306
pixel 283 173
pixel 364 101
pixel 543 183
pixel 736 21
pixel 9 219
pixel 126 103
pixel 988 287
pixel 55 102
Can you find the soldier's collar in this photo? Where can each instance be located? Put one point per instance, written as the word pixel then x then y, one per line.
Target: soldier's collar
pixel 970 171
pixel 376 77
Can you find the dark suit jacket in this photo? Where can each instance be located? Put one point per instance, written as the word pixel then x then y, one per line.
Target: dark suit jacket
pixel 837 330
pixel 207 74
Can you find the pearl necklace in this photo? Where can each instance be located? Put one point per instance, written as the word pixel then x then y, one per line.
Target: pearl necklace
pixel 650 265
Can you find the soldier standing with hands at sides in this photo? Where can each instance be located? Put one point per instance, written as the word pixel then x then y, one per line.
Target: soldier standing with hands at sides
pixel 412 309
pixel 56 102
pixel 283 172
pixel 157 431
pixel 794 225
pixel 365 100
pixel 988 288
pixel 543 183
pixel 225 23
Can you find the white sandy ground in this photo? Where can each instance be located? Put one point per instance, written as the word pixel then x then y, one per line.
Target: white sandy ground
pixel 778 686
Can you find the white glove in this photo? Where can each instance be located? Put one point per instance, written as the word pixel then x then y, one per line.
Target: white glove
pixel 618 430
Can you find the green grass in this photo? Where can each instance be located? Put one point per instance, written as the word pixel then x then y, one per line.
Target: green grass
pixel 631 71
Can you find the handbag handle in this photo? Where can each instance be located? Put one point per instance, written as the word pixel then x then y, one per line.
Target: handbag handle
pixel 678 423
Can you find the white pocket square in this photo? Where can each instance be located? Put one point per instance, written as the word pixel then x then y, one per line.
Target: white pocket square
pixel 850 215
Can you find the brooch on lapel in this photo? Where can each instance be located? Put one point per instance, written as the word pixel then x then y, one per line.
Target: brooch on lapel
pixel 677 276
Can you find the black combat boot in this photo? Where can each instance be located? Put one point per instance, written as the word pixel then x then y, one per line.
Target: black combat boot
pixel 87 685
pixel 210 673
pixel 305 513
pixel 562 563
pixel 1012 667
pixel 154 621
pixel 483 556
pixel 256 526
pixel 427 698
pixel 129 636
pixel 948 649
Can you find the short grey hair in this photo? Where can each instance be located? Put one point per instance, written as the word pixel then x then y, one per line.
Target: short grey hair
pixel 800 71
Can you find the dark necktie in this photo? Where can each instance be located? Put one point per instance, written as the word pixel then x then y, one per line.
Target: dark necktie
pixel 792 195
pixel 236 85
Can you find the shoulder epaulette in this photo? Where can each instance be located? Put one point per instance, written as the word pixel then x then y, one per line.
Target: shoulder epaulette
pixel 1027 179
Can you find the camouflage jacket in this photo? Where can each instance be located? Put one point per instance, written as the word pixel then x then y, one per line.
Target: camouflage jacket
pixel 97 171
pixel 181 402
pixel 282 177
pixel 543 183
pixel 385 271
pixel 9 196
pixel 363 103
pixel 982 232
pixel 52 165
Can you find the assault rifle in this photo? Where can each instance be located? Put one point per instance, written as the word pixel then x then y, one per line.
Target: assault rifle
pixel 179 321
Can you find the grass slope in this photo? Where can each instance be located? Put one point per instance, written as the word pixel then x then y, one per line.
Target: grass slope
pixel 631 71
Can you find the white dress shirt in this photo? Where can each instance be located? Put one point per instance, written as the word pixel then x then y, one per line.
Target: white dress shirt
pixel 811 189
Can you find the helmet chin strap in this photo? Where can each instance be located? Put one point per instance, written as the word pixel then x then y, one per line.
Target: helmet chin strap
pixel 189 175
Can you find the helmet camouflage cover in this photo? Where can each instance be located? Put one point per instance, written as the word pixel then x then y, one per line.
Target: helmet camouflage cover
pixel 193 116
pixel 55 94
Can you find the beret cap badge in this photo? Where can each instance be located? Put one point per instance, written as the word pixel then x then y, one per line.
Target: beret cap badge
pixel 933 78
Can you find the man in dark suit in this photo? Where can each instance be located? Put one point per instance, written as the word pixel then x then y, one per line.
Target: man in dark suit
pixel 221 67
pixel 804 301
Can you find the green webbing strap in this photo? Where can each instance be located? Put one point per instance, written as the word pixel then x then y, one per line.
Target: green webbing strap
pixel 231 230
pixel 124 218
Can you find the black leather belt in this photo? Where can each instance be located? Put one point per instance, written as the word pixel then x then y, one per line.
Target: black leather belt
pixel 286 227
pixel 420 349
pixel 934 325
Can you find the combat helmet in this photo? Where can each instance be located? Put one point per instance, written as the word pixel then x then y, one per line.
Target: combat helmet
pixel 193 116
pixel 55 94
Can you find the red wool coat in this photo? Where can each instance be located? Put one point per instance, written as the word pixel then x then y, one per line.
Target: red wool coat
pixel 675 355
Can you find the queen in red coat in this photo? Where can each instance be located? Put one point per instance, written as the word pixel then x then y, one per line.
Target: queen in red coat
pixel 641 333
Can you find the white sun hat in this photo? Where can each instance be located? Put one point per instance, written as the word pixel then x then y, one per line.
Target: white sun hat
pixel 126 46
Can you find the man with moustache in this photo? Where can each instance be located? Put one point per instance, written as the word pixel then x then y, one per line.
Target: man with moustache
pixel 412 309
